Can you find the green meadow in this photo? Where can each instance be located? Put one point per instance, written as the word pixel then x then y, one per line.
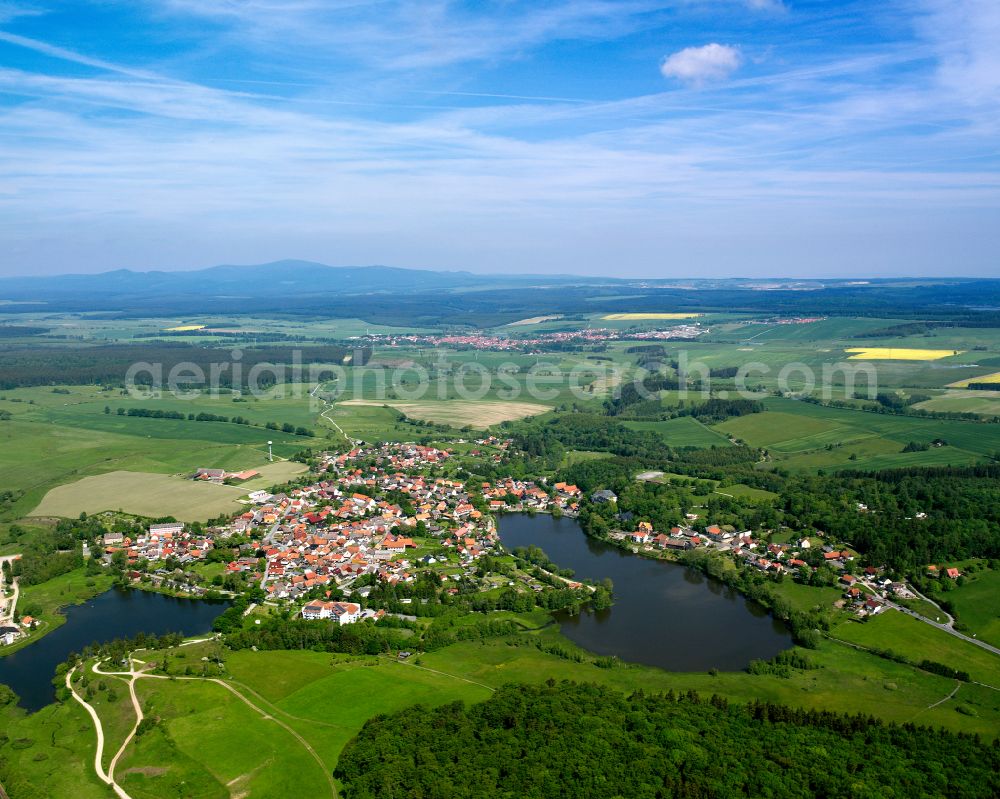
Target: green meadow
pixel 684 431
pixel 977 604
pixel 53 439
pixel 804 436
pixel 916 640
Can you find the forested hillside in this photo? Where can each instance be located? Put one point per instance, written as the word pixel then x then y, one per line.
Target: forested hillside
pixel 573 740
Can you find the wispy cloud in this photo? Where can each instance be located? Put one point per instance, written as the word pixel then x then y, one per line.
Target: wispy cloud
pixel 766 5
pixel 10 11
pixel 422 34
pixel 70 55
pixel 965 37
pixel 468 139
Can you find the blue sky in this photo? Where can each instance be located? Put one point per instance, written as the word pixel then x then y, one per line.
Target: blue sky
pixel 623 137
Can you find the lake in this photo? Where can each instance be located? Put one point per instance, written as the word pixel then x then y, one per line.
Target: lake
pixel 665 614
pixel 114 614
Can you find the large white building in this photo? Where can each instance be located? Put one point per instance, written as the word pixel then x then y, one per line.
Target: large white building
pixel 342 612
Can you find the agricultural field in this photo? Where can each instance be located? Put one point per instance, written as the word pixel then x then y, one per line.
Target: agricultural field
pixel 71 451
pixel 96 329
pixel 985 403
pixel 326 698
pixel 648 317
pixel 829 330
pixel 899 354
pixel 993 377
pixel 460 413
pixel 802 436
pixel 53 438
pixel 375 422
pixel 155 495
pixel 534 320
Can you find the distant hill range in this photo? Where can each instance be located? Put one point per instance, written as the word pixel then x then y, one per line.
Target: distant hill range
pixel 302 277
pixel 419 297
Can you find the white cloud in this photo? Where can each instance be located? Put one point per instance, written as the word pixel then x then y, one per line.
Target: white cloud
pixel 698 65
pixel 766 5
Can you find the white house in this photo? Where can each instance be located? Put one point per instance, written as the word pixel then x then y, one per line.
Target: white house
pixel 9 635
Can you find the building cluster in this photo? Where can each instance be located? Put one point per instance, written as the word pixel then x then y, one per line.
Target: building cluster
pixel 863 594
pixel 221 475
pixel 160 542
pixel 521 495
pixel 487 341
pixel 371 512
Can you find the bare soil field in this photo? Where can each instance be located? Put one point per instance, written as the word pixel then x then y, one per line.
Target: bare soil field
pixel 458 413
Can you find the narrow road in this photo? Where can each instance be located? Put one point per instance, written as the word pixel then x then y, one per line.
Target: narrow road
pixel 329 408
pixel 945 613
pixel 265 541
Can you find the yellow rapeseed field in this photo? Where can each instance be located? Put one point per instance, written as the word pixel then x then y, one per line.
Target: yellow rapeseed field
pixel 991 378
pixel 184 328
pixel 635 317
pixel 898 354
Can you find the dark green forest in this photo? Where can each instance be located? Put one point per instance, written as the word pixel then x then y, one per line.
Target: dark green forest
pixel 108 364
pixel 572 740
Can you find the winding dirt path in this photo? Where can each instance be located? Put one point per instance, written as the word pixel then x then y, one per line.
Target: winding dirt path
pixel 135 674
pixel 103 776
pixel 330 407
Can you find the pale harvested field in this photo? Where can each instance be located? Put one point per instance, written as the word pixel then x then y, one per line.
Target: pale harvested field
pixel 606 382
pixel 142 493
pixel 898 354
pixel 273 474
pixel 535 320
pixel 458 413
pixel 990 378
pixel 638 317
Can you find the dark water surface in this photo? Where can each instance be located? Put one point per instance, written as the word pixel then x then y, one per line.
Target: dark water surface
pixel 113 614
pixel 665 614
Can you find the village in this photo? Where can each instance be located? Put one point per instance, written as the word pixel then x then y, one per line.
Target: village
pixel 382 513
pixel 536 342
pixel 374 511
